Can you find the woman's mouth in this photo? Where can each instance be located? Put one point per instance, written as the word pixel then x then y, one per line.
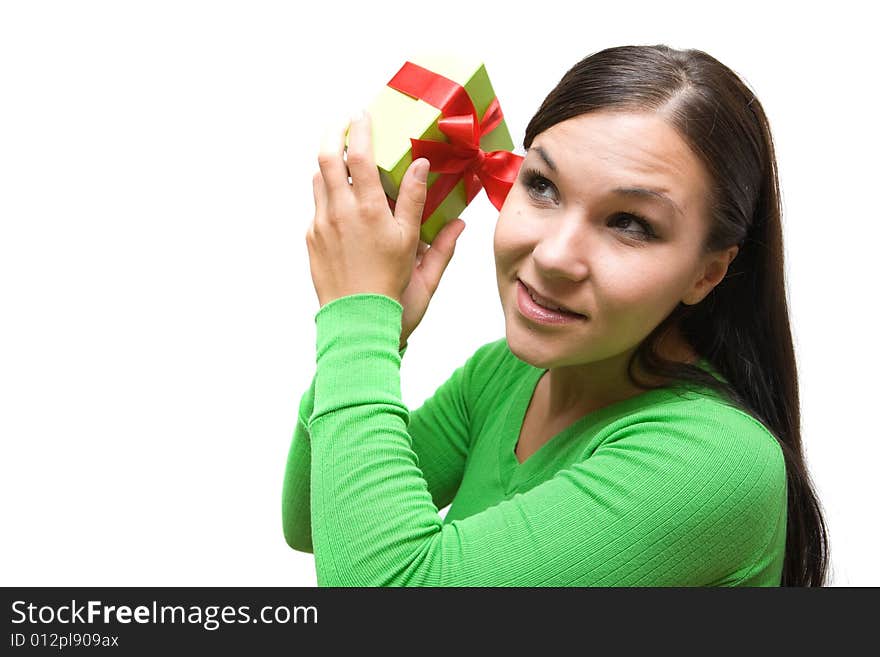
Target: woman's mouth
pixel 530 307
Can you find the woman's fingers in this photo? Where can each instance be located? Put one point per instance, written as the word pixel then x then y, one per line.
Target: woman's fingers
pixel 361 161
pixel 333 168
pixel 319 192
pixel 338 161
pixel 413 192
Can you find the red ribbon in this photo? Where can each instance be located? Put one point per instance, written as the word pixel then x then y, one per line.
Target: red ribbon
pixel 461 157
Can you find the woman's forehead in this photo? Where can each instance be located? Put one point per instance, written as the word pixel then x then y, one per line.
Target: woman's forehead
pixel 644 137
pixel 627 149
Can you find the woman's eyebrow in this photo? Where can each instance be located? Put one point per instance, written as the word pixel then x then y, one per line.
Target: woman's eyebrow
pixel 540 151
pixel 650 193
pixel 626 191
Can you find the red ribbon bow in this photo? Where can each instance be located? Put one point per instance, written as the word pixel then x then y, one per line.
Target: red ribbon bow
pixel 461 157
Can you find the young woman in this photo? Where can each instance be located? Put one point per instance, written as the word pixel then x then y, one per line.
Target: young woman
pixel 639 423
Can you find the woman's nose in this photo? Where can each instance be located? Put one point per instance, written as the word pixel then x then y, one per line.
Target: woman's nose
pixel 563 251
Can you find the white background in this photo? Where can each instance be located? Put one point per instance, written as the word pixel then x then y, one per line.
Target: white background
pixel 157 306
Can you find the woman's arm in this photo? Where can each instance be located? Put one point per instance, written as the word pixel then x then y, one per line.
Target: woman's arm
pixel 295 507
pixel 439 433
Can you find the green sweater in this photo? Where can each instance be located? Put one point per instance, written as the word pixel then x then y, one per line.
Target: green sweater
pixel 671 487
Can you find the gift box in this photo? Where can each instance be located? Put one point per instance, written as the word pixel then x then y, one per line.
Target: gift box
pixel 443 107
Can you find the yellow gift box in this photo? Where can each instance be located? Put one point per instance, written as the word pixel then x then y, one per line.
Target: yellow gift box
pixel 443 107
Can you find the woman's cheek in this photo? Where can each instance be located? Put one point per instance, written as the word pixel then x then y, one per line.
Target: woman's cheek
pixel 509 239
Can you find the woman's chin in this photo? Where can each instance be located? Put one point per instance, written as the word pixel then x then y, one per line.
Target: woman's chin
pixel 530 347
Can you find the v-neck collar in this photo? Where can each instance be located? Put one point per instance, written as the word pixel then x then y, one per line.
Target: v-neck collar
pixel 513 473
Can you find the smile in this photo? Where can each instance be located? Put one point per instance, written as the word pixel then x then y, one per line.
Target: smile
pixel 531 309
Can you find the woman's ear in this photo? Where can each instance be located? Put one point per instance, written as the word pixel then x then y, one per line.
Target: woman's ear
pixel 713 272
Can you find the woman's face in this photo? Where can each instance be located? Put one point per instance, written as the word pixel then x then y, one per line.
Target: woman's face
pixel 570 235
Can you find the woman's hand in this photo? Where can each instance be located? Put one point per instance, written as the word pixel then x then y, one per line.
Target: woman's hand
pixel 357 245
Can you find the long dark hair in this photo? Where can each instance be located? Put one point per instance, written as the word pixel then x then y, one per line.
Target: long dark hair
pixel 741 327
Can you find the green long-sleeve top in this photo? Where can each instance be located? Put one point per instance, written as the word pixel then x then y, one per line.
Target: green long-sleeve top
pixel 671 487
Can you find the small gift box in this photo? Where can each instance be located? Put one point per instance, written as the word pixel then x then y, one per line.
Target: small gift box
pixel 443 108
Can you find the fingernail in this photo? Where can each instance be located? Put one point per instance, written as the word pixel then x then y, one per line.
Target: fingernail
pixel 421 170
pixel 357 115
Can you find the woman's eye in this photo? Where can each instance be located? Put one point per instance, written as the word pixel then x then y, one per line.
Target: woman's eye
pixel 646 232
pixel 537 184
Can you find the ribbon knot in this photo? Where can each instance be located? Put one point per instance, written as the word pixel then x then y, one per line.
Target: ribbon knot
pixel 461 158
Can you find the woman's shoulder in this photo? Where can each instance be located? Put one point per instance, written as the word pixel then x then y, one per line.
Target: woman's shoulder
pixel 707 408
pixel 702 439
pixel 712 412
pixel 705 428
pixel 719 465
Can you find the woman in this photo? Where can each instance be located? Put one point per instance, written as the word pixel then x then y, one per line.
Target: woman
pixel 644 433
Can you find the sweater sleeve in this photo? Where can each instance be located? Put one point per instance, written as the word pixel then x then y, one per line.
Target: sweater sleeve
pixel 295 507
pixel 659 504
pixel 439 433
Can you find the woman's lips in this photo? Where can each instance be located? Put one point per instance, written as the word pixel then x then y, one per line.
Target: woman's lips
pixel 539 314
pixel 546 303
